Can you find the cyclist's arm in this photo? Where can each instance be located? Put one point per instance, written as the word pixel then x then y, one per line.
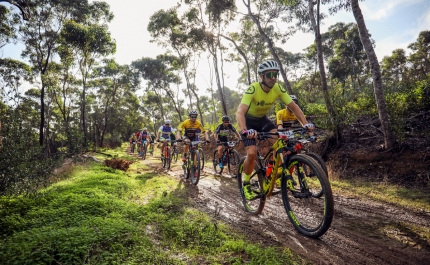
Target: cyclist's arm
pixel 298 112
pixel 240 116
pixel 279 119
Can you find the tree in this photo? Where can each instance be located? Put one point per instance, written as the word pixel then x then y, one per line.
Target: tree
pixel 159 74
pixel 420 57
pixel 169 31
pixel 376 76
pixel 7 29
pixel 22 6
pixel 274 11
pixel 90 42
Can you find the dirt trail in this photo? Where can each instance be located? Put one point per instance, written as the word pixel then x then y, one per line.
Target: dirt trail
pixel 362 232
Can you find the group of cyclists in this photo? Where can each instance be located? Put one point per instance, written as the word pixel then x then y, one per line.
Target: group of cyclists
pixel 251 117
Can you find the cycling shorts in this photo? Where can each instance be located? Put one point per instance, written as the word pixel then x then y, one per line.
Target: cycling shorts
pixel 263 124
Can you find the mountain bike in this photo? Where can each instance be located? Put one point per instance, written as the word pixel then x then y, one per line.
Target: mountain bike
pixel 191 166
pixel 133 146
pixel 301 178
pixel 166 154
pixel 230 157
pixel 299 147
pixel 151 149
pixel 143 149
pixel 175 152
pixel 202 158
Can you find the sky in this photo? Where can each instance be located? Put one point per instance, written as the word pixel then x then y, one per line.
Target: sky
pixel 393 24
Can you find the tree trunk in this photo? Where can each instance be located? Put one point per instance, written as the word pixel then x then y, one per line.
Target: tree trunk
pixel 376 76
pixel 270 46
pixel 316 27
pixel 243 55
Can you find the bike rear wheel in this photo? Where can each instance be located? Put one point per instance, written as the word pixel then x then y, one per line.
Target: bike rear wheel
pixel 194 169
pixel 215 161
pixel 233 160
pixel 309 215
pixel 175 155
pixel 255 205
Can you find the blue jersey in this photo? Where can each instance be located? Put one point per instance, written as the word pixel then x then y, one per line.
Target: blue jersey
pixel 165 131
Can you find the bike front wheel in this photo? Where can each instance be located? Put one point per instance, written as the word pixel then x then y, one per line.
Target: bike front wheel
pixel 144 152
pixel 215 161
pixel 195 168
pixel 309 215
pixel 202 159
pixel 317 192
pixel 256 204
pixel 168 158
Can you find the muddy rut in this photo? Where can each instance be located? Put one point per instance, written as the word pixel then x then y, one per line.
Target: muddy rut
pixel 362 231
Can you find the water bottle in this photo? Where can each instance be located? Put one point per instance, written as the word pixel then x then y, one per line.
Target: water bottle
pixel 269 169
pixel 223 159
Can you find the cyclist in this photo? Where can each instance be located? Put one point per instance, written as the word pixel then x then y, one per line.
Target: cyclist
pixel 163 134
pixel 192 128
pixel 220 135
pixel 139 143
pixel 144 137
pixel 133 140
pixel 251 114
pixel 151 142
pixel 285 117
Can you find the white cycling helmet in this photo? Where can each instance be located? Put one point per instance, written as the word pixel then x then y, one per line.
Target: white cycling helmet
pixel 192 112
pixel 145 129
pixel 167 121
pixel 294 97
pixel 268 65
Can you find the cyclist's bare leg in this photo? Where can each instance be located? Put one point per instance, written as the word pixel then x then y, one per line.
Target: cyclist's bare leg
pixel 186 146
pixel 251 155
pixel 219 152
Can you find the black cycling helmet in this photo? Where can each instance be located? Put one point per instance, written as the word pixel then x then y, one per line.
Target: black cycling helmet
pixel 225 118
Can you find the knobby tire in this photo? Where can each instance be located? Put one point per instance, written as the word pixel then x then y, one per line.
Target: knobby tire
pixel 256 205
pixel 309 215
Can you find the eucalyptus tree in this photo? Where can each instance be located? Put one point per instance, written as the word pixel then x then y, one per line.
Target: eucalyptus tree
pixel 268 11
pixel 7 30
pixel 209 18
pixel 159 74
pixel 384 117
pixel 395 70
pixel 90 42
pixel 22 5
pixel 420 56
pixel 112 83
pixel 178 36
pixel 40 35
pixel 250 41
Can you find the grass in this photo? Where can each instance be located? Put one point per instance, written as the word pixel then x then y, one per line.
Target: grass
pixel 98 215
pixel 415 199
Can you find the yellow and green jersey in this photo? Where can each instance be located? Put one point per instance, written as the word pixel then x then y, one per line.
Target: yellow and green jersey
pixel 259 101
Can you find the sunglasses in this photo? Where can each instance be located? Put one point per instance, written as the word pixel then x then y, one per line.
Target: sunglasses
pixel 193 116
pixel 271 75
pixel 166 124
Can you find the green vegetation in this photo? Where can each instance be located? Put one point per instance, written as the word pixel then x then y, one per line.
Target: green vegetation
pixel 99 215
pixel 417 199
